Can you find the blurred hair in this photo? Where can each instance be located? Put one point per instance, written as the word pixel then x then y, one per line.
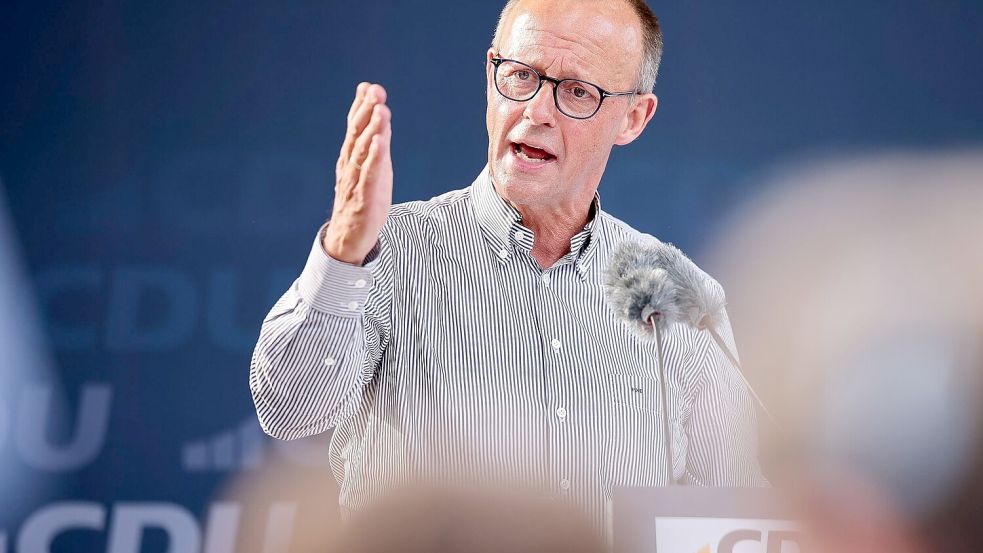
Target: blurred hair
pixel 651 34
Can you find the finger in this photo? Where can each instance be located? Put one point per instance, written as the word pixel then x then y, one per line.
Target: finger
pixel 346 144
pixel 387 129
pixel 377 124
pixel 374 95
pixel 350 168
pixel 359 96
pixel 369 167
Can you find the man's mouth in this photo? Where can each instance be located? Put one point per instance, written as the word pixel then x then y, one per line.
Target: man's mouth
pixel 531 154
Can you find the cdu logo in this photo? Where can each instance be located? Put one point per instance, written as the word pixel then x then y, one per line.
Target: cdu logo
pixel 749 540
pixel 726 535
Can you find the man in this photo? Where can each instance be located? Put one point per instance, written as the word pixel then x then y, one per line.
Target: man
pixel 467 337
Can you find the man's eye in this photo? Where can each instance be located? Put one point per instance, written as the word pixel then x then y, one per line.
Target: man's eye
pixel 522 74
pixel 580 92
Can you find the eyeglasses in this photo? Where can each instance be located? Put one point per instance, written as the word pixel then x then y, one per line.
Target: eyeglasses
pixel 574 98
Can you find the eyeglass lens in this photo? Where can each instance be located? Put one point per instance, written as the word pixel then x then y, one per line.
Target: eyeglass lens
pixel 519 82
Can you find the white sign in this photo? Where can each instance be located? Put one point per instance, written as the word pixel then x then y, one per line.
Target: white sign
pixel 726 535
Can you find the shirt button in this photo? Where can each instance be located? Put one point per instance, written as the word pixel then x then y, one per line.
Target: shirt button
pixel 561 412
pixel 360 283
pixel 546 279
pixel 556 344
pixel 503 253
pixel 565 484
pixel 353 306
pixel 329 361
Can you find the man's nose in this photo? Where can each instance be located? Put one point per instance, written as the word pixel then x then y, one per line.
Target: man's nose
pixel 541 110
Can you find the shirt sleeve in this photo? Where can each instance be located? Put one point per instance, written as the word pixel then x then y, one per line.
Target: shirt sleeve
pixel 321 344
pixel 722 427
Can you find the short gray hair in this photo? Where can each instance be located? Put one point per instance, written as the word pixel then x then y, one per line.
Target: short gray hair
pixel 651 35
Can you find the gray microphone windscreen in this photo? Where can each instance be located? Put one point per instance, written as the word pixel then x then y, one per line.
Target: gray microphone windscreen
pixel 701 299
pixel 638 289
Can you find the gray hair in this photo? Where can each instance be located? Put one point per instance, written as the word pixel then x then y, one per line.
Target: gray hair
pixel 651 34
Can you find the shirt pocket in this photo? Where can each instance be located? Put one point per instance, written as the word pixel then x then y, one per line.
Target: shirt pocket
pixel 637 391
pixel 635 456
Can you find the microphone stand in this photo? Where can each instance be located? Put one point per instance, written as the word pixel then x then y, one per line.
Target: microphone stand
pixel 663 398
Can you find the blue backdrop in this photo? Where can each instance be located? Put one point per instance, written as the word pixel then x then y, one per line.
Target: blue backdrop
pixel 166 164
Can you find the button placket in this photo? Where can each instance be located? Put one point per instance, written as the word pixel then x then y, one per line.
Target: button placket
pixel 554 330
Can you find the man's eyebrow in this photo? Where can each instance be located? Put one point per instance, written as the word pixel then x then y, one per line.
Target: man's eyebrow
pixel 539 67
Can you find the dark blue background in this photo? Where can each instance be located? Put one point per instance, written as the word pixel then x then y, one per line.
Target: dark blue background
pixel 166 165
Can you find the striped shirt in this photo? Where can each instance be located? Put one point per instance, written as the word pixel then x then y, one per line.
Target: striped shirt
pixel 452 354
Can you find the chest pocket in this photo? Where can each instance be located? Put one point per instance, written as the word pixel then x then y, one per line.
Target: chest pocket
pixel 636 391
pixel 635 455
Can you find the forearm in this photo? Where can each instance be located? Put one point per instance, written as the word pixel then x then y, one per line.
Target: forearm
pixel 316 349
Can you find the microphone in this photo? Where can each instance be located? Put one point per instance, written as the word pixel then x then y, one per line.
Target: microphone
pixel 700 299
pixel 641 293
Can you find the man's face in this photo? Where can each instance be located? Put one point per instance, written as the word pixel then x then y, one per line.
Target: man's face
pixel 597 42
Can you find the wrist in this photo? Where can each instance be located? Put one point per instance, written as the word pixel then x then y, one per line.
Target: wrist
pixel 335 246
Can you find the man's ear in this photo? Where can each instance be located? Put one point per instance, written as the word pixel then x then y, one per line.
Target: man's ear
pixel 637 118
pixel 489 69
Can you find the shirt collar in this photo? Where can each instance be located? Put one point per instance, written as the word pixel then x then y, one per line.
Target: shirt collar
pixel 502 226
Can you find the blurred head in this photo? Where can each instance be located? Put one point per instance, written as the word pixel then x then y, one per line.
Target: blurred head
pixel 855 288
pixel 538 157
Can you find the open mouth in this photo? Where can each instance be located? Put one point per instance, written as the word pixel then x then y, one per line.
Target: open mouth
pixel 531 154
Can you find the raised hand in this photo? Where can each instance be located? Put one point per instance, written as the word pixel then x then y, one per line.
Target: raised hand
pixel 363 178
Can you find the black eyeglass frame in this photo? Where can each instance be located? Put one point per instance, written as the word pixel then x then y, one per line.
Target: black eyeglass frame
pixel 497 62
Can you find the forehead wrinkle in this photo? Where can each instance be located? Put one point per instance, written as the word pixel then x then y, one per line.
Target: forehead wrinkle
pixel 545 58
pixel 560 66
pixel 534 45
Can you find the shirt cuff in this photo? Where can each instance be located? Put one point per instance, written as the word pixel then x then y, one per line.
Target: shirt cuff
pixel 333 286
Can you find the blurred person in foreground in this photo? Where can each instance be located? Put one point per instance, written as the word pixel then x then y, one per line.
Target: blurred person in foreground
pixel 467 337
pixel 413 518
pixel 858 286
pixel 435 520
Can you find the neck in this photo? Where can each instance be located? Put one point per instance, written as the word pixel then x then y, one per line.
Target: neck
pixel 553 229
